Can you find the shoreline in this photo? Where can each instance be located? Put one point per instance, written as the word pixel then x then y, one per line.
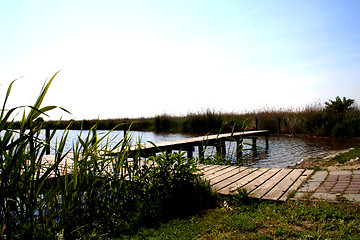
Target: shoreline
pixel 322 161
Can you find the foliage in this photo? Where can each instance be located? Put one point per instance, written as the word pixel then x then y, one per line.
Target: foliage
pixel 92 191
pixel 265 220
pixel 339 106
pixel 338 118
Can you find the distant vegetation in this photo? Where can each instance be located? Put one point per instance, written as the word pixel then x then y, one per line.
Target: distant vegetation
pixel 336 118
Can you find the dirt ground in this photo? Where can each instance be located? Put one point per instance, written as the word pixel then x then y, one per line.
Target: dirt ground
pixel 322 161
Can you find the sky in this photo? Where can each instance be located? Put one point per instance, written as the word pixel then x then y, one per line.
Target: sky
pixel 142 58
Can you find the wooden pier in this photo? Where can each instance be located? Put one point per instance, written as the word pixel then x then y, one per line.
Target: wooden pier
pixel 217 140
pixel 263 183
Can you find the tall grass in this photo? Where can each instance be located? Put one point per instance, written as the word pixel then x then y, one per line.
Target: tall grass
pixel 336 118
pixel 87 191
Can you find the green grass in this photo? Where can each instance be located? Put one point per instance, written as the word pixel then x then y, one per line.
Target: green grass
pixel 353 154
pixel 265 220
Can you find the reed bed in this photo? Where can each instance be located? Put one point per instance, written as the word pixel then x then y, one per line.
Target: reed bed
pixel 98 194
pixel 335 118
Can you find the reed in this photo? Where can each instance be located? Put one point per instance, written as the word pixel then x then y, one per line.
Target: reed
pixel 335 118
pixel 88 191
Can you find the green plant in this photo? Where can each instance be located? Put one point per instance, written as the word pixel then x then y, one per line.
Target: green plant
pixel 90 191
pixel 22 178
pixel 339 106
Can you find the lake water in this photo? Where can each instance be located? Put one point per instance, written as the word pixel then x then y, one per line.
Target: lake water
pixel 283 150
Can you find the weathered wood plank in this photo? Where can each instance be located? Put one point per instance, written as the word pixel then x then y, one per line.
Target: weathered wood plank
pixel 296 184
pixel 214 172
pixel 222 177
pixel 221 172
pixel 202 166
pixel 260 180
pixel 282 186
pixel 208 168
pixel 225 182
pixel 243 181
pixel 269 184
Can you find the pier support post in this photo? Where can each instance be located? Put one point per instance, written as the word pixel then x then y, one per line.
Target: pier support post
pixel 239 149
pixel 190 152
pixel 47 137
pixel 201 151
pixel 168 151
pixel 221 148
pixel 254 143
pixel 267 142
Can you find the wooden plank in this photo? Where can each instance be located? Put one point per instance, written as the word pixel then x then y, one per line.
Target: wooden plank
pixel 226 175
pixel 202 166
pixel 283 185
pixel 296 184
pixel 209 168
pixel 222 172
pixel 214 172
pixel 225 182
pixel 251 186
pixel 211 171
pixel 269 184
pixel 243 181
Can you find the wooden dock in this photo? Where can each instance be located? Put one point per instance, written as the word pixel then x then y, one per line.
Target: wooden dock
pixel 263 183
pixel 217 140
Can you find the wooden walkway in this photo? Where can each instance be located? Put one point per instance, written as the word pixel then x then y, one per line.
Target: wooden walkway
pixel 188 144
pixel 264 183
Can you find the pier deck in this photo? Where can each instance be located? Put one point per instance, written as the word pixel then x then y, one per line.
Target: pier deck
pixel 264 183
pixel 201 142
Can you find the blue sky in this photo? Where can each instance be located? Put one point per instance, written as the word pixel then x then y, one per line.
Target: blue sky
pixel 122 58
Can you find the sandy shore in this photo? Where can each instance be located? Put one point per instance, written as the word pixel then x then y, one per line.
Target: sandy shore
pixel 323 161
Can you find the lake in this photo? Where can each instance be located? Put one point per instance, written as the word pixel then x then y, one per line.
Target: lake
pixel 283 150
